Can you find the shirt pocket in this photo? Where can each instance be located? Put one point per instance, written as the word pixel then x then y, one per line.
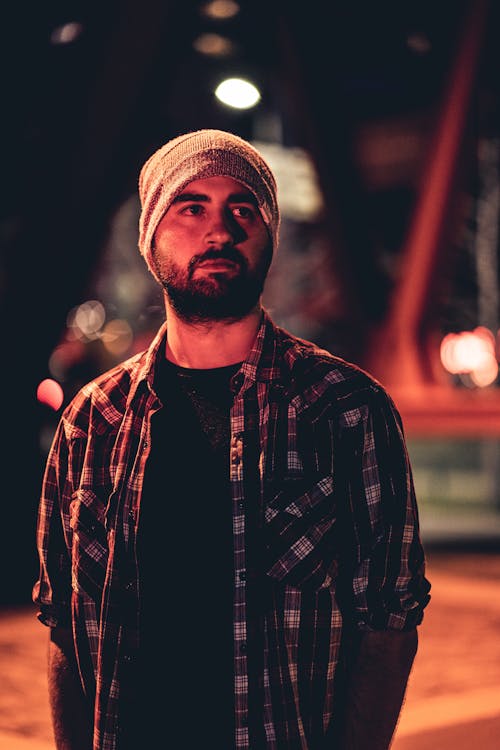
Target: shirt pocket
pixel 89 545
pixel 299 530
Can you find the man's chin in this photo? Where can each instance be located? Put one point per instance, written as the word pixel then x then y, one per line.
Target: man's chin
pixel 204 308
pixel 218 281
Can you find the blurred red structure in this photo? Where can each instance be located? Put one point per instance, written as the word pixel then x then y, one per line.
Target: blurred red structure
pixel 404 348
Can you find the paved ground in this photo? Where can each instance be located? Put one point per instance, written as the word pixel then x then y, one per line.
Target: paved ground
pixel 453 697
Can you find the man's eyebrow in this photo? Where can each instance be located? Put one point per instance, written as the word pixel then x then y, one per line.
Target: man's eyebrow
pixel 244 197
pixel 190 197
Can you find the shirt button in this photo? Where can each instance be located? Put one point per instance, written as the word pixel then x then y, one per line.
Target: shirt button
pixel 242 575
pixel 243 647
pixel 237 382
pixel 244 721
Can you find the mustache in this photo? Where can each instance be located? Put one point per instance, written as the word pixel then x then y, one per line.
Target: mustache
pixel 223 253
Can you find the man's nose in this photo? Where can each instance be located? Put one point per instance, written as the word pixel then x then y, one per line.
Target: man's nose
pixel 223 229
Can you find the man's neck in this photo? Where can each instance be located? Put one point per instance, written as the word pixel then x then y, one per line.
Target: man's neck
pixel 212 344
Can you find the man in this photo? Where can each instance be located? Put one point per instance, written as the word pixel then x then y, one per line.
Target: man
pixel 228 531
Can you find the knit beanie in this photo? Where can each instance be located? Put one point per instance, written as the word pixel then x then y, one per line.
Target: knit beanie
pixel 195 156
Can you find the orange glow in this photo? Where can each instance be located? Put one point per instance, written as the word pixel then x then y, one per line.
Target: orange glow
pixel 221 9
pixel 446 352
pixel 50 393
pixel 117 336
pixel 472 353
pixel 214 44
pixel 486 375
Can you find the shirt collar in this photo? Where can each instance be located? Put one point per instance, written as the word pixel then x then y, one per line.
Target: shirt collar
pixel 262 363
pixel 147 361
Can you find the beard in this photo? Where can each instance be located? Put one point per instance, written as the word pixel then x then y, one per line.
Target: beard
pixel 218 296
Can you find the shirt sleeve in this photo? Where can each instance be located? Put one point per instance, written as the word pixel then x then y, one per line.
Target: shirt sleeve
pixel 52 590
pixel 385 584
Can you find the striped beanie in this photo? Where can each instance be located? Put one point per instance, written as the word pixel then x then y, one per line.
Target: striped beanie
pixel 195 156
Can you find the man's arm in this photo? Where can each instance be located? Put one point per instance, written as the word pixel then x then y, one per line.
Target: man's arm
pixel 380 665
pixel 383 586
pixel 71 719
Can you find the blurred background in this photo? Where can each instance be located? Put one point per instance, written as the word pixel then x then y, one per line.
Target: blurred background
pixel 382 124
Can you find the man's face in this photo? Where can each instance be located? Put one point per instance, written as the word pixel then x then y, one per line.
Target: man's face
pixel 212 251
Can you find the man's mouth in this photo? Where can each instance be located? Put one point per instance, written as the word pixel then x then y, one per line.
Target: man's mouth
pixel 216 264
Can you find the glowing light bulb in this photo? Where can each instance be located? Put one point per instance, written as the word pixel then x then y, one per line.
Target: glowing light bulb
pixel 237 93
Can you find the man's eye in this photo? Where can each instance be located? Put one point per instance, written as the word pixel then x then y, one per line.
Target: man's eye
pixel 193 210
pixel 243 212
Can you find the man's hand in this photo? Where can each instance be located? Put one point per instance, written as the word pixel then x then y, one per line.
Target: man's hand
pixel 70 712
pixel 376 686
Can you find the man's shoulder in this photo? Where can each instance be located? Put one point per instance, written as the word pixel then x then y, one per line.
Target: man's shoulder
pixel 305 359
pixel 101 402
pixel 315 373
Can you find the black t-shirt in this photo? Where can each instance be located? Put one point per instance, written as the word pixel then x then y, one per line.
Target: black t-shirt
pixel 186 567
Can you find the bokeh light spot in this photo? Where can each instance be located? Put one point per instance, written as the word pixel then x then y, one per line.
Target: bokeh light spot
pixel 471 353
pixel 214 45
pixel 50 393
pixel 67 33
pixel 237 93
pixel 221 10
pixel 117 336
pixel 87 319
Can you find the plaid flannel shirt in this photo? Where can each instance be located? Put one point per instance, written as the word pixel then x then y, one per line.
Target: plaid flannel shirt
pixel 317 457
